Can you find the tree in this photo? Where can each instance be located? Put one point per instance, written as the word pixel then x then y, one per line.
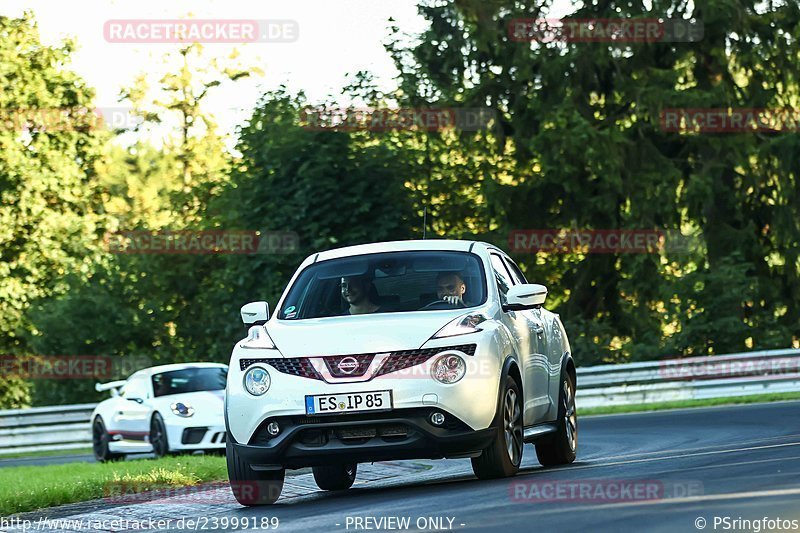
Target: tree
pixel 50 221
pixel 588 151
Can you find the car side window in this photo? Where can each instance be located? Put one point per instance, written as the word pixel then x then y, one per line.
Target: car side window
pixel 502 276
pixel 516 273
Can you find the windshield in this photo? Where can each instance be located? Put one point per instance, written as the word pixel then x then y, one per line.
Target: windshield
pixel 189 380
pixel 394 282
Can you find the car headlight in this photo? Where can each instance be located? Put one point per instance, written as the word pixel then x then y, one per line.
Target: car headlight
pixel 257 381
pixel 462 325
pixel 258 338
pixel 182 409
pixel 449 368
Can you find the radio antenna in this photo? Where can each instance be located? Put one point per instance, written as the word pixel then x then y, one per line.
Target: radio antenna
pixel 424 221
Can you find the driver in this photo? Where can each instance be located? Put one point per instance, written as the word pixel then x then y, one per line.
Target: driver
pixel 355 291
pixel 164 386
pixel 450 287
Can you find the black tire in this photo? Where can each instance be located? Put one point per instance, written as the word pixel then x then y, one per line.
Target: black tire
pixel 100 440
pixel 252 487
pixel 335 477
pixel 561 447
pixel 158 436
pixel 504 455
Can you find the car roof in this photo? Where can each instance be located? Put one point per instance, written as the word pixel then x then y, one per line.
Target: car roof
pixel 177 366
pixel 399 246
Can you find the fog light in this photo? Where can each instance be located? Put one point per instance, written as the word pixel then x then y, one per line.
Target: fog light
pixel 437 419
pixel 273 428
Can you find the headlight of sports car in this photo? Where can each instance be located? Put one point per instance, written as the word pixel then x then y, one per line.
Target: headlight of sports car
pixel 182 409
pixel 448 368
pixel 257 381
pixel 258 338
pixel 462 325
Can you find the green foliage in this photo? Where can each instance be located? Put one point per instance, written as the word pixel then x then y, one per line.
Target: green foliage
pixel 582 121
pixel 576 142
pixel 49 211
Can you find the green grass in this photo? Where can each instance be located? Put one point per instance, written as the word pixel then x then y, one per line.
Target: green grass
pixel 684 404
pixel 27 488
pixel 51 453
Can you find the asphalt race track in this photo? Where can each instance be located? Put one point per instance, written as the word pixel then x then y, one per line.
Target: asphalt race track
pixel 665 471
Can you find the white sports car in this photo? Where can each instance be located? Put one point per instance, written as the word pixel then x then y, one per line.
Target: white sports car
pixel 398 350
pixel 161 410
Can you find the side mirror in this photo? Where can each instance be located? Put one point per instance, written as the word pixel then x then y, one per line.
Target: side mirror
pixel 525 296
pixel 255 313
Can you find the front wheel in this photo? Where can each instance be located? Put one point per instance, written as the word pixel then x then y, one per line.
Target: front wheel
pixel 504 455
pixel 158 436
pixel 335 477
pixel 252 487
pixel 560 448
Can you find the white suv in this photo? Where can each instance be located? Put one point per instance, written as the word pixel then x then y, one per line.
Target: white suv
pixel 398 350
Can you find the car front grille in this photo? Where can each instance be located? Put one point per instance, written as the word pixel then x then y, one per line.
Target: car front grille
pixel 295 366
pixel 395 361
pixel 408 358
pixel 336 362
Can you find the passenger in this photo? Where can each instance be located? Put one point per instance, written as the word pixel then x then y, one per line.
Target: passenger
pixel 356 292
pixel 450 287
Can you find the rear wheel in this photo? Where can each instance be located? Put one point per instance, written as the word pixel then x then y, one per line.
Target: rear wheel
pixel 252 487
pixel 100 440
pixel 335 477
pixel 158 436
pixel 560 448
pixel 504 455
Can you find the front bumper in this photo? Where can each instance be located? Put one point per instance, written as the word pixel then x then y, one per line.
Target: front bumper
pixel 358 438
pixel 196 435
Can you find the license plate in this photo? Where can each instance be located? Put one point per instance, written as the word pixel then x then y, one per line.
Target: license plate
pixel 348 402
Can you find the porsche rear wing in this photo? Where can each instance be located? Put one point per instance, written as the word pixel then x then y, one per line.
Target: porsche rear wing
pixel 111 385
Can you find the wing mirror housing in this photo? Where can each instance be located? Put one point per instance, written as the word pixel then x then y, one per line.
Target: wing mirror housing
pixel 255 313
pixel 525 296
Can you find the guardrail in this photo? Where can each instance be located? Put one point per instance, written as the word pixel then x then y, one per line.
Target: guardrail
pixel 63 427
pixel 719 376
pixel 691 378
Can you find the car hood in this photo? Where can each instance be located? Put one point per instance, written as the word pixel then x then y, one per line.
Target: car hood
pixel 357 334
pixel 202 401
